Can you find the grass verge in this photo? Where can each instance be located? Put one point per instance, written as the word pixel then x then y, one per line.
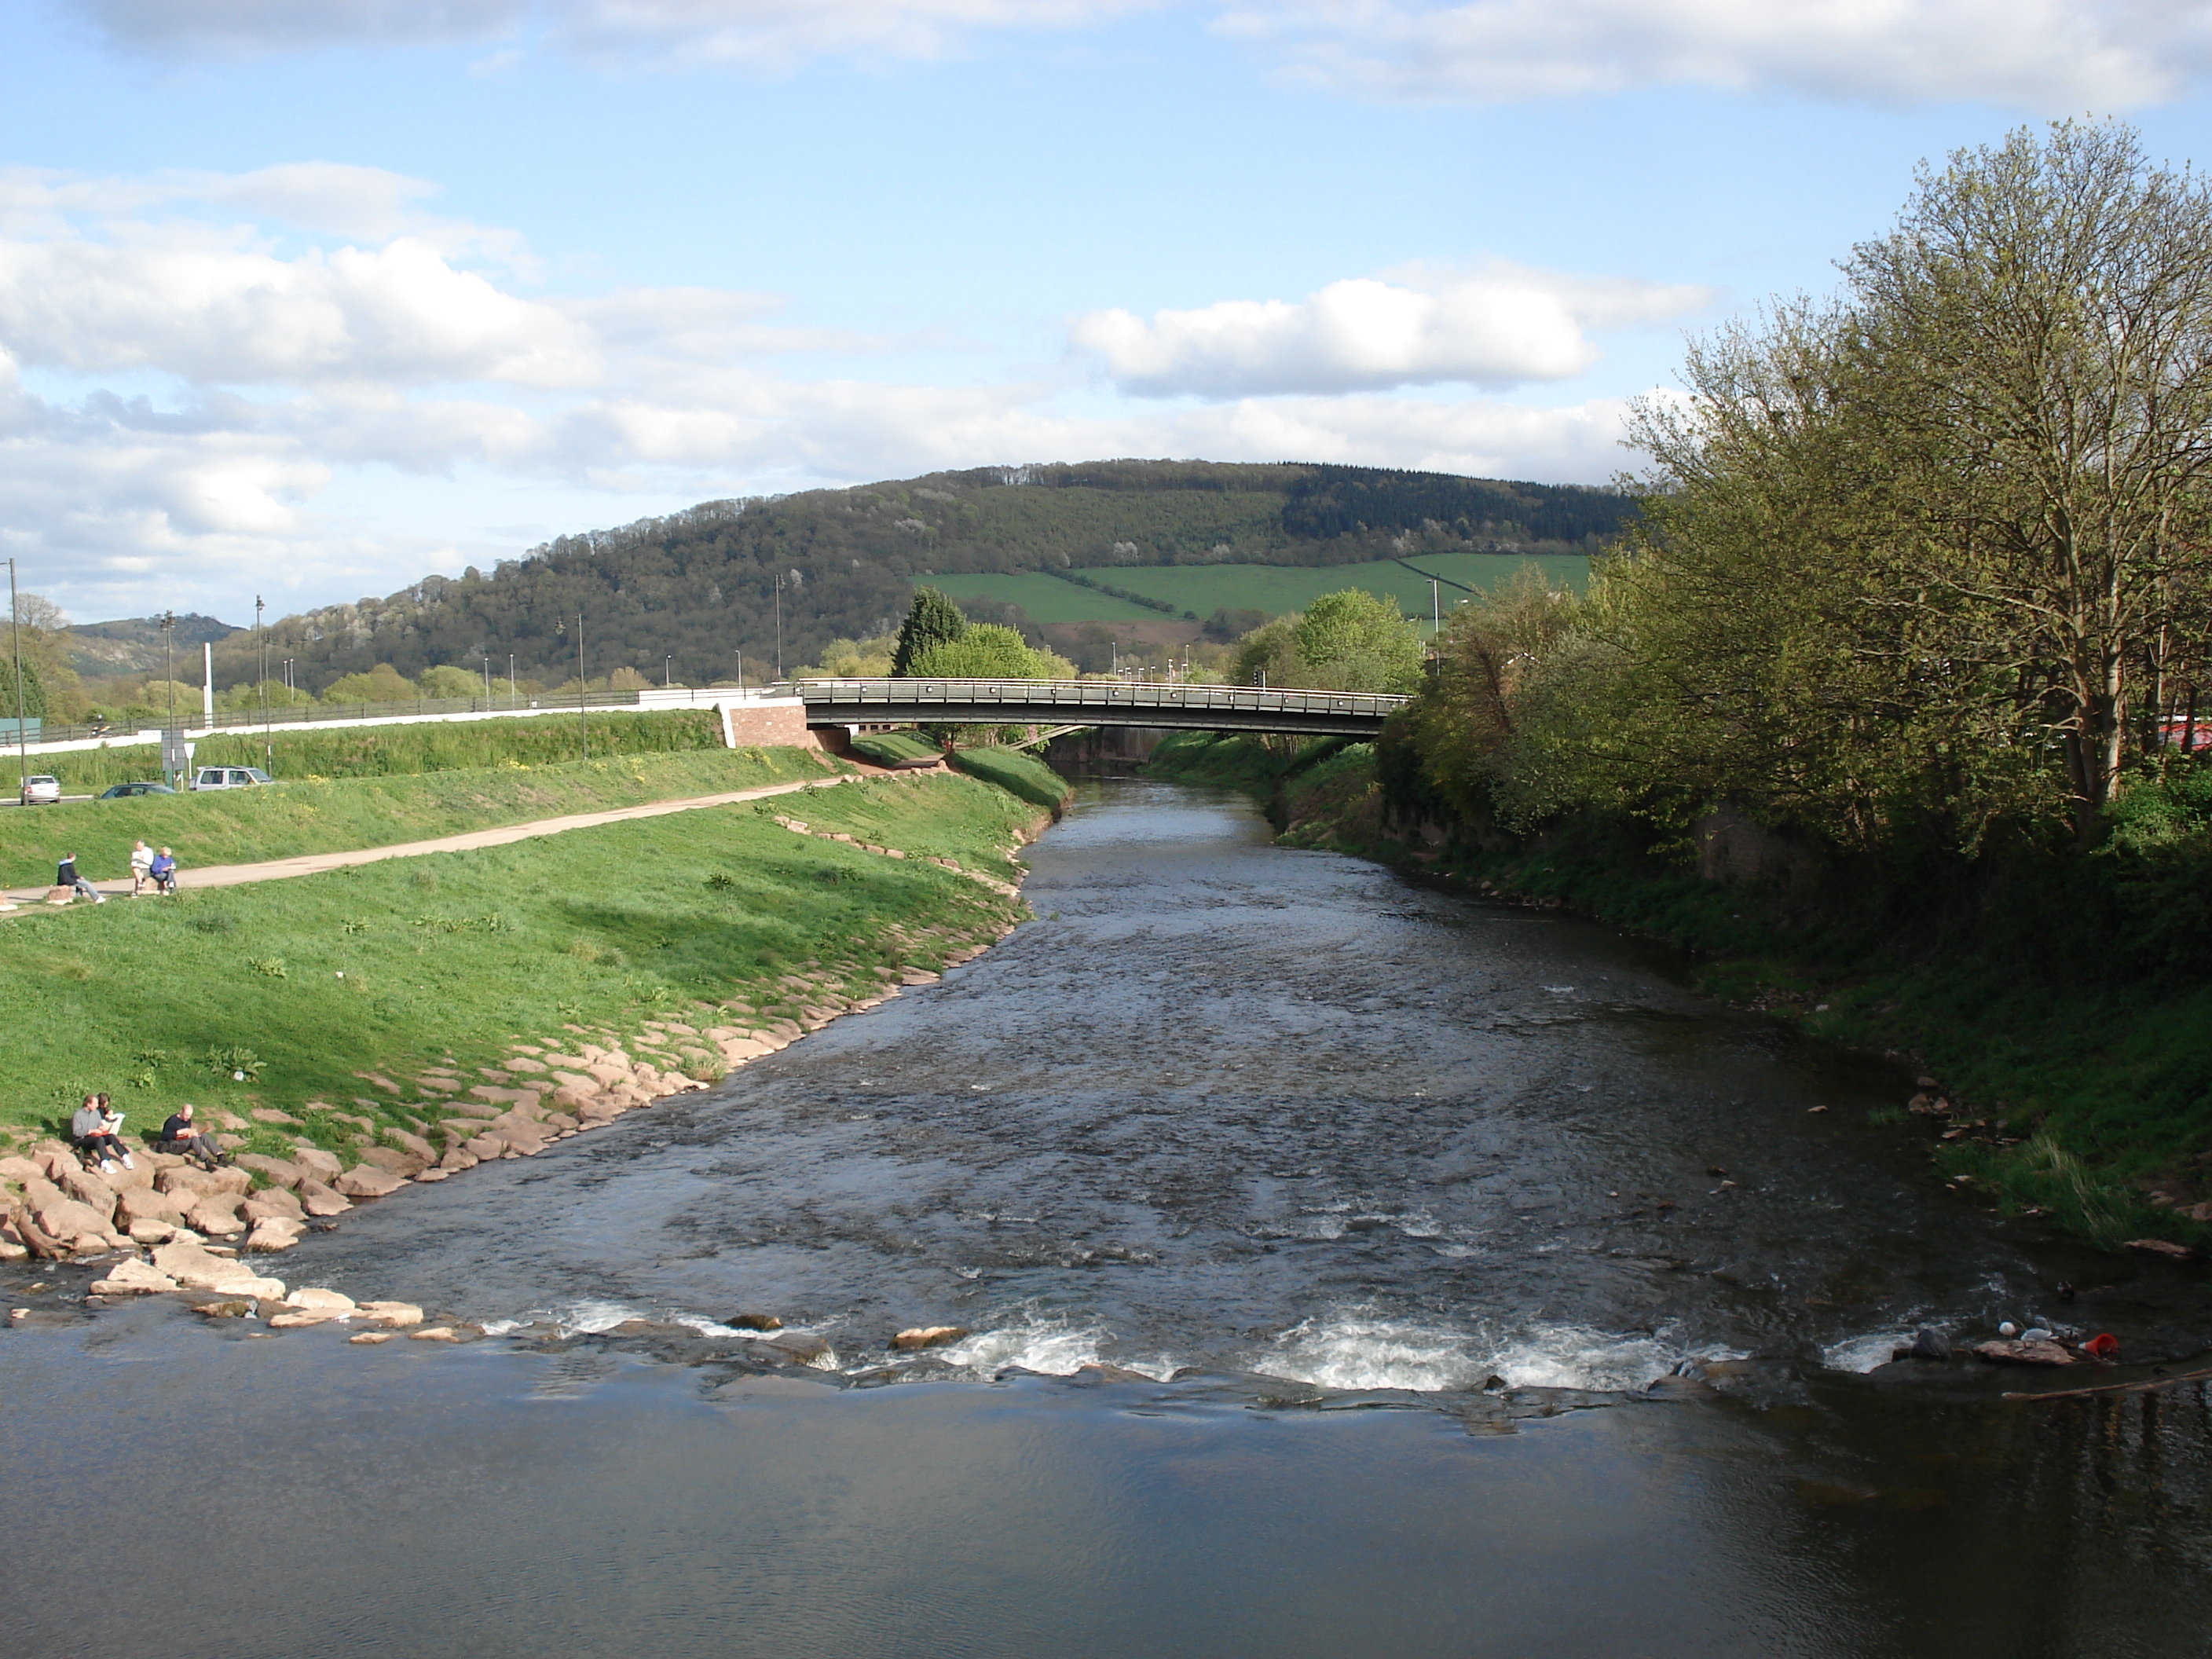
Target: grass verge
pixel 284 820
pixel 400 751
pixel 1018 774
pixel 449 958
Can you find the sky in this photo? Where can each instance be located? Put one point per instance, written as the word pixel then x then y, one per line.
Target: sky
pixel 305 301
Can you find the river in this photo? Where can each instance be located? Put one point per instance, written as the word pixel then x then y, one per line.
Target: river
pixel 1389 1203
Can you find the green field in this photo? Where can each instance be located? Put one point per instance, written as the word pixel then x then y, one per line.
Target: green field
pixel 450 958
pixel 1202 589
pixel 285 819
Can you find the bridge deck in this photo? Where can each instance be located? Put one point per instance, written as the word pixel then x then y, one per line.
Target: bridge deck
pixel 1096 702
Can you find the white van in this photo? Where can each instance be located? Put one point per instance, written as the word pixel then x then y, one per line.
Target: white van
pixel 229 777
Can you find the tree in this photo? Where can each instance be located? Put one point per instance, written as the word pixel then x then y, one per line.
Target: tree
pixel 932 620
pixel 35 692
pixel 449 682
pixel 987 652
pixel 1353 641
pixel 382 683
pixel 1937 543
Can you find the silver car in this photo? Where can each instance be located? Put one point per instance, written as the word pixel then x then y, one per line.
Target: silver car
pixel 229 777
pixel 41 790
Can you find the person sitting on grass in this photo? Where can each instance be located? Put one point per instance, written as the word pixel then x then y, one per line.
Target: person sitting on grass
pixel 93 1131
pixel 180 1135
pixel 65 875
pixel 164 870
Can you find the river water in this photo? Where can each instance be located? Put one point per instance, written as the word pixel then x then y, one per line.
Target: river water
pixel 1391 1206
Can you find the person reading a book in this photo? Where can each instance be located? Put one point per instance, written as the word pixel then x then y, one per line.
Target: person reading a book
pixel 180 1135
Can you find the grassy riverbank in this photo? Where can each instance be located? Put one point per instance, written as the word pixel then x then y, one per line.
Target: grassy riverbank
pixel 2075 1094
pixel 702 917
pixel 374 751
pixel 244 826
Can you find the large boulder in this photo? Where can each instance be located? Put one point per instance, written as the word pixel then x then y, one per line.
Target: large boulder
pixel 215 1216
pixel 321 1165
pixel 394 1315
pixel 368 1182
pixel 317 1200
pixel 315 1296
pixel 19 1170
pixel 66 1219
pixel 272 1201
pixel 391 1161
pixel 136 1204
pixel 87 1189
pixel 280 1172
pixel 133 1278
pixel 195 1269
pixel 190 1178
pixel 275 1232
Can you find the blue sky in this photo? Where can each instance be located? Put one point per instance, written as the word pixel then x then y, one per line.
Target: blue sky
pixel 311 301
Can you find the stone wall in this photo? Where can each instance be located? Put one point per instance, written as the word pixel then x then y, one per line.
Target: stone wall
pixel 779 723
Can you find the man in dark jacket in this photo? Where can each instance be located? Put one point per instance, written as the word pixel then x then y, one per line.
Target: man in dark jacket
pixel 180 1135
pixel 65 875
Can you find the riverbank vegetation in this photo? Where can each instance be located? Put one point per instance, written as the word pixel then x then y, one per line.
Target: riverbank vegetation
pixel 372 751
pixel 290 818
pixel 704 918
pixel 1889 703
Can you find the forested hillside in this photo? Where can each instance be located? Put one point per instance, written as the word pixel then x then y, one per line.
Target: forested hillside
pixel 698 584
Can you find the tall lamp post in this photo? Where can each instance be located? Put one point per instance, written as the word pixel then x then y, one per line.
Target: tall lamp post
pixel 261 648
pixel 169 673
pixel 667 670
pixel 511 693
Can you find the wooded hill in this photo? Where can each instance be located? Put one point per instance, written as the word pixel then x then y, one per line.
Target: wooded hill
pixel 700 584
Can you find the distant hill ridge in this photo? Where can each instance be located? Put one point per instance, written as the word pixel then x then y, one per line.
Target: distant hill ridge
pixel 695 585
pixel 133 645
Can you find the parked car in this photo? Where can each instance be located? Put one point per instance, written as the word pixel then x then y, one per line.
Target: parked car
pixel 41 790
pixel 124 791
pixel 229 777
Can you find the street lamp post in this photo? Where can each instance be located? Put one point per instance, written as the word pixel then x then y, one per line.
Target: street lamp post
pixel 667 670
pixel 261 649
pixel 169 673
pixel 512 695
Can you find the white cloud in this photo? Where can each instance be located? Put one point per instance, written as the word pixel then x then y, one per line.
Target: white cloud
pixel 760 36
pixel 1502 326
pixel 210 385
pixel 2046 55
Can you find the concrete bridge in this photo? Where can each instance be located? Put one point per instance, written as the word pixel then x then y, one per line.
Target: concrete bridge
pixel 1094 702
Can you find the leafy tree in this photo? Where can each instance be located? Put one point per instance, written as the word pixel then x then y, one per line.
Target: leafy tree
pixel 382 683
pixel 853 659
pixel 933 620
pixel 33 705
pixel 449 682
pixel 985 651
pixel 1353 641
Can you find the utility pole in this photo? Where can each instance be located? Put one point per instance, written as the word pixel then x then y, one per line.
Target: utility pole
pixel 741 670
pixel 1436 609
pixel 582 719
pixel 512 695
pixel 486 655
pixel 169 672
pixel 23 740
pixel 778 624
pixel 667 670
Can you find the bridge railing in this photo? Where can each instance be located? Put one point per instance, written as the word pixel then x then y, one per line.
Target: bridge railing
pixel 1075 695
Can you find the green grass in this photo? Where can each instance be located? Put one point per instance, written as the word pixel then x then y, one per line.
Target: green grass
pixel 286 819
pixel 1018 774
pixel 459 954
pixel 1275 589
pixel 365 751
pixel 889 748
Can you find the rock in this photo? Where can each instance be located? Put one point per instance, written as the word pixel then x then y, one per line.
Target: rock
pixel 274 1233
pixel 270 1115
pixel 65 1217
pixel 317 1200
pixel 927 1336
pixel 433 1333
pixel 214 1218
pixel 138 1204
pixel 2023 1353
pixel 185 1180
pixel 368 1339
pixel 434 1174
pixel 279 1172
pixel 458 1158
pixel 320 1164
pixel 134 1278
pixel 1929 1343
pixel 393 1161
pixel 292 1322
pixel 1099 1371
pixel 87 1189
pixel 224 1309
pixel 314 1297
pixel 196 1269
pixel 272 1201
pixel 1926 1083
pixel 2165 1247
pixel 393 1314
pixel 413 1143
pixel 368 1182
pixel 484 1148
pixel 802 1349
pixel 152 1233
pixel 754 1321
pixel 19 1170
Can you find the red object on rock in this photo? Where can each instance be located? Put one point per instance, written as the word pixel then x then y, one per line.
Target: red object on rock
pixel 2103 1345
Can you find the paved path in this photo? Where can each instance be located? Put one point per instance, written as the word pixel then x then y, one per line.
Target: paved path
pixel 309 864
